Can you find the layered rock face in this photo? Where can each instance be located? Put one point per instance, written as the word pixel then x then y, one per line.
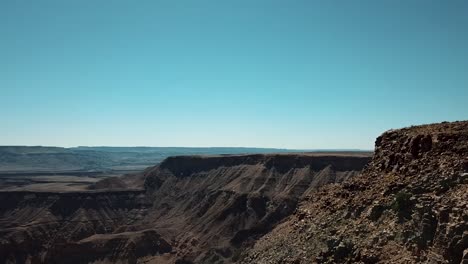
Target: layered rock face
pixel 189 209
pixel 410 205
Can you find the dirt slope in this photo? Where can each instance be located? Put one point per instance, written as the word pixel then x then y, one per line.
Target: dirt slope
pixel 409 206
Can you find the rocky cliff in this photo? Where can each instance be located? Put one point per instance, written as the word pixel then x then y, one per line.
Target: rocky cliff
pixel 410 205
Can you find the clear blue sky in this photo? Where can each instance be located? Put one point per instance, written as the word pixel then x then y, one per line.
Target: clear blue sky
pixel 264 73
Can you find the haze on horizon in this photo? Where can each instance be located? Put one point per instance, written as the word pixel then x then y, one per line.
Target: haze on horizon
pixel 295 74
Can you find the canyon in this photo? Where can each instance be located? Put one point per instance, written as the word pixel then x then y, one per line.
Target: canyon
pixel 186 209
pixel 404 203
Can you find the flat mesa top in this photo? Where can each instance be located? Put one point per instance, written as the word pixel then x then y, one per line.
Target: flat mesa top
pixel 309 154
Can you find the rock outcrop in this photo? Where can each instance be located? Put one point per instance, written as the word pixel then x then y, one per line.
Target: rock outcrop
pixel 410 205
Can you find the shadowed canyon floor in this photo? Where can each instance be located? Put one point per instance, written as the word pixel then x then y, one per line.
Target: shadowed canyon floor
pixel 405 204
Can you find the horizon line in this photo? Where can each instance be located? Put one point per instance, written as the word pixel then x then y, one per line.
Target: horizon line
pixel 194 147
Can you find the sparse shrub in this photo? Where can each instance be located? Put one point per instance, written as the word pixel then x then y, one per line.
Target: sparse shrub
pixel 376 211
pixel 402 202
pixel 236 256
